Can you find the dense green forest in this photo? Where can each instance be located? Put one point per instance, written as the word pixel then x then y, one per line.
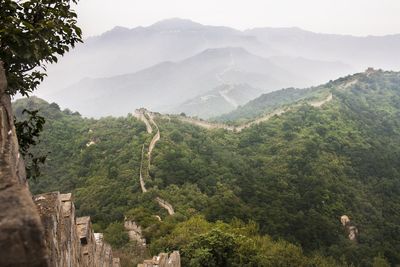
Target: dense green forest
pixel 267 103
pixel 275 191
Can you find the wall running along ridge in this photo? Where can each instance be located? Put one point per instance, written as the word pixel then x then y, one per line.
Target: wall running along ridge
pixel 147 118
pixel 211 125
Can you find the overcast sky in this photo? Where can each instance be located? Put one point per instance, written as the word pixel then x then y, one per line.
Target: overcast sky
pixel 357 17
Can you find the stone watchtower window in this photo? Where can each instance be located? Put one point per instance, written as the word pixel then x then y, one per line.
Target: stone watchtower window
pixel 84 241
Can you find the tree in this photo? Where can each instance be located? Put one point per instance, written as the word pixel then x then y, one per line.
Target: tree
pixel 215 248
pixel 116 235
pixel 28 132
pixel 32 34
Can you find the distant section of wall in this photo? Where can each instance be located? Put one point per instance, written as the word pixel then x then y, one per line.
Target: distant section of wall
pixel 163 260
pixel 21 232
pixel 351 229
pixel 134 232
pixel 104 256
pixel 70 241
pixel 45 235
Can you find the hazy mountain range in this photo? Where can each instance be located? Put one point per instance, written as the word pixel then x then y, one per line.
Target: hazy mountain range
pixel 168 65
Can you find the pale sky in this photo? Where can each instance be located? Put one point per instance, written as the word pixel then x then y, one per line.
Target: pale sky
pixel 356 17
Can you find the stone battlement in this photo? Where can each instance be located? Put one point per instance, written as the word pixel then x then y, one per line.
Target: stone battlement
pixel 70 241
pixel 163 260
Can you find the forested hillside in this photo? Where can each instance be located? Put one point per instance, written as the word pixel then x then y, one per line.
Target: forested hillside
pixel 276 190
pixel 266 103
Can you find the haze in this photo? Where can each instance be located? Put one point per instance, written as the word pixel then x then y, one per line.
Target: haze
pixel 356 17
pixel 182 60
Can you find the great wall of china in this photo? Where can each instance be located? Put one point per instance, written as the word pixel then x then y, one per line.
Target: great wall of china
pixel 147 119
pixel 163 259
pixel 70 240
pixel 214 125
pixel 42 230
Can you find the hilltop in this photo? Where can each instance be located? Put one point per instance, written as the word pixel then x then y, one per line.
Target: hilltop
pixel 295 174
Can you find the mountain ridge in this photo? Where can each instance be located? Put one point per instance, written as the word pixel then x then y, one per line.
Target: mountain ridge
pixel 309 167
pixel 314 57
pixel 168 84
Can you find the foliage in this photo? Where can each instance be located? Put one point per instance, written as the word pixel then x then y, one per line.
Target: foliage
pixel 115 235
pixel 294 176
pixel 380 262
pixel 33 33
pixel 268 102
pixel 28 132
pixel 236 244
pixel 131 254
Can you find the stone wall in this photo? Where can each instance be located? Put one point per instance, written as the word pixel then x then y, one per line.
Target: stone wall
pixel 70 241
pixel 163 260
pixel 350 227
pixel 21 232
pixel 46 234
pixel 104 256
pixel 134 232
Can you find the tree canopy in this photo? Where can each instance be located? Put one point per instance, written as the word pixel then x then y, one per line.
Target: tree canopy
pixel 32 34
pixel 294 176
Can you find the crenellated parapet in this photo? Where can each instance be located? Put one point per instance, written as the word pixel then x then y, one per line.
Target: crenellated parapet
pixel 70 241
pixel 163 260
pixel 21 232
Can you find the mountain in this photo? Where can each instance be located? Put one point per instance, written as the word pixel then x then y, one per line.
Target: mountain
pixel 165 86
pixel 223 99
pixel 267 103
pixel 160 50
pixel 359 52
pixel 314 71
pixel 122 50
pixel 293 176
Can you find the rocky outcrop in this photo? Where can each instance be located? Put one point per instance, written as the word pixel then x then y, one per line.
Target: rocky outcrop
pixel 21 232
pixel 70 241
pixel 163 260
